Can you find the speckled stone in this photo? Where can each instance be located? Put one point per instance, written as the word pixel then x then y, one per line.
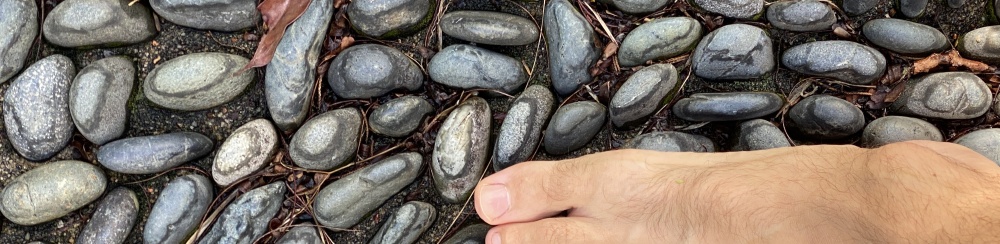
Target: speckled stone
pixel 522 127
pixel 406 224
pixel 399 117
pixel 890 129
pixel 671 141
pixel 153 154
pixel 661 38
pixel 98 98
pixel 804 15
pixel 740 9
pixel 472 234
pixel 371 70
pixel 912 8
pixel 197 81
pixel 50 191
pixel 843 60
pixel 642 94
pixel 945 95
pixel 327 140
pixel 36 108
pixel 301 235
pixel 858 7
pixel 638 7
pixel 224 15
pixel 468 67
pixel 461 150
pixel 727 106
pixel 85 23
pixel 982 44
pixel 178 209
pixel 19 20
pixel 493 28
pixel 291 75
pixel 247 217
pixel 351 198
pixel 113 219
pixel 389 18
pixel 248 149
pixel 759 134
pixel 826 117
pixel 572 126
pixel 733 52
pixel 905 37
pixel 571 39
pixel 985 142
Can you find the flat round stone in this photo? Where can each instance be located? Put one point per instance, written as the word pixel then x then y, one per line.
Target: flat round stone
pixel 572 37
pixel 661 38
pixel 461 150
pixel 399 117
pixel 246 218
pixel 471 234
pixel 493 28
pixel 301 235
pixel 327 140
pixel 153 154
pixel 912 8
pixel 51 191
pixel 759 134
pixel 642 94
pixel 843 60
pixel 804 15
pixel 826 117
pixel 734 52
pixel 522 127
pixel 727 106
pixel 353 197
pixel 858 7
pixel 86 23
pixel 371 70
pixel 985 142
pixel 247 150
pixel 945 95
pixel 178 209
pixel 220 15
pixel 99 96
pixel 891 129
pixel 740 9
pixel 905 37
pixel 389 18
pixel 197 81
pixel 36 111
pixel 19 20
pixel 113 219
pixel 982 44
pixel 468 67
pixel 671 141
pixel 638 6
pixel 406 224
pixel 572 126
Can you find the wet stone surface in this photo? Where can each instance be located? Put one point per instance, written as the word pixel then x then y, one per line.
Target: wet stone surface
pixel 406 224
pixel 246 218
pixel 642 94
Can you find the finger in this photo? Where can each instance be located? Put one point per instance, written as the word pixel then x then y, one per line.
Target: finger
pixel 552 230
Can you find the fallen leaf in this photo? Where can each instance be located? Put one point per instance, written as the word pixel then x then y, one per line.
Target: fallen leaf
pixel 277 14
pixel 951 57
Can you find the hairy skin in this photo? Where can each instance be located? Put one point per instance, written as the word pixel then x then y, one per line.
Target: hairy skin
pixel 905 192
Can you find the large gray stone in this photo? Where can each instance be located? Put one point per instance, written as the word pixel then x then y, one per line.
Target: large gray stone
pixel 153 154
pixel 843 60
pixel 801 15
pixel 912 8
pixel 493 28
pixel 220 15
pixel 327 140
pixel 389 18
pixel 671 141
pixel 36 108
pixel 740 9
pixel 982 44
pixel 370 70
pixel 113 219
pixel 19 20
pixel 472 234
pixel 351 198
pixel 86 23
pixel 98 98
pixel 985 142
pixel 399 117
pixel 291 74
pixel 826 117
pixel 946 95
pixel 406 224
pixel 247 217
pixel 572 126
pixel 890 129
pixel 858 7
pixel 248 149
pixel 642 94
pixel 468 67
pixel 905 37
pixel 759 134
pixel 301 235
pixel 178 209
pixel 661 38
pixel 461 150
pixel 638 6
pixel 733 52
pixel 727 106
pixel 571 46
pixel 522 128
pixel 197 81
pixel 51 191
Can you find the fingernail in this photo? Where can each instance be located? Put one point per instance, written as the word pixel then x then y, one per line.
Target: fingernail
pixel 495 238
pixel 496 199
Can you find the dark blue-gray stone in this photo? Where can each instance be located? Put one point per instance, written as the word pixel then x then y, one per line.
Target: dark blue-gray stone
pixel 351 198
pixel 891 129
pixel 734 52
pixel 661 38
pixel 945 95
pixel 858 7
pixel 98 98
pixel 36 108
pixel 461 150
pixel 985 142
pixel 573 125
pixel 178 209
pixel 389 18
pixel 85 23
pixel 406 224
pixel 224 15
pixel 740 9
pixel 571 46
pixel 370 70
pixel 905 37
pixel 327 140
pixel 804 15
pixel 19 22
pixel 197 81
pixel 301 235
pixel 522 127
pixel 727 106
pixel 113 219
pixel 981 44
pixel 493 28
pixel 826 117
pixel 399 117
pixel 472 234
pixel 638 6
pixel 843 60
pixel 468 67
pixel 912 8
pixel 247 217
pixel 153 154
pixel 642 94
pixel 50 191
pixel 759 134
pixel 291 74
pixel 671 141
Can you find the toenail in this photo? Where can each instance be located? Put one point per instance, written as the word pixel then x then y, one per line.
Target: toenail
pixel 496 199
pixel 495 238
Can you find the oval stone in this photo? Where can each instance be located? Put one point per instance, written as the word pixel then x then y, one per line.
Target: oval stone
pixel 522 127
pixel 472 234
pixel 84 23
pixel 247 150
pixel 351 198
pixel 461 150
pixel 826 117
pixel 671 141
pixel 733 52
pixel 493 28
pixel 912 8
pixel 327 140
pixel 36 108
pixel 858 7
pixel 290 77
pixel 389 18
pixel 946 95
pixel 178 209
pixel 301 235
pixel 985 142
pixel 569 35
pixel 638 6
pixel 406 224
pixel 197 81
pixel 891 129
pixel 467 67
pixel 759 134
pixel 370 70
pixel 225 15
pixel 642 94
pixel 573 125
pixel 727 106
pixel 399 117
pixel 982 44
pixel 905 37
pixel 247 217
pixel 153 154
pixel 804 15
pixel 843 60
pixel 661 38
pixel 51 191
pixel 740 9
pixel 113 219
pixel 19 20
pixel 98 98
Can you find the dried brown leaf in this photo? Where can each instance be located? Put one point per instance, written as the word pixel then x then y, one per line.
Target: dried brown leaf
pixel 951 57
pixel 277 14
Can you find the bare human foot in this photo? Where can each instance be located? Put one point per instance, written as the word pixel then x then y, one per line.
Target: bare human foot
pixel 903 192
